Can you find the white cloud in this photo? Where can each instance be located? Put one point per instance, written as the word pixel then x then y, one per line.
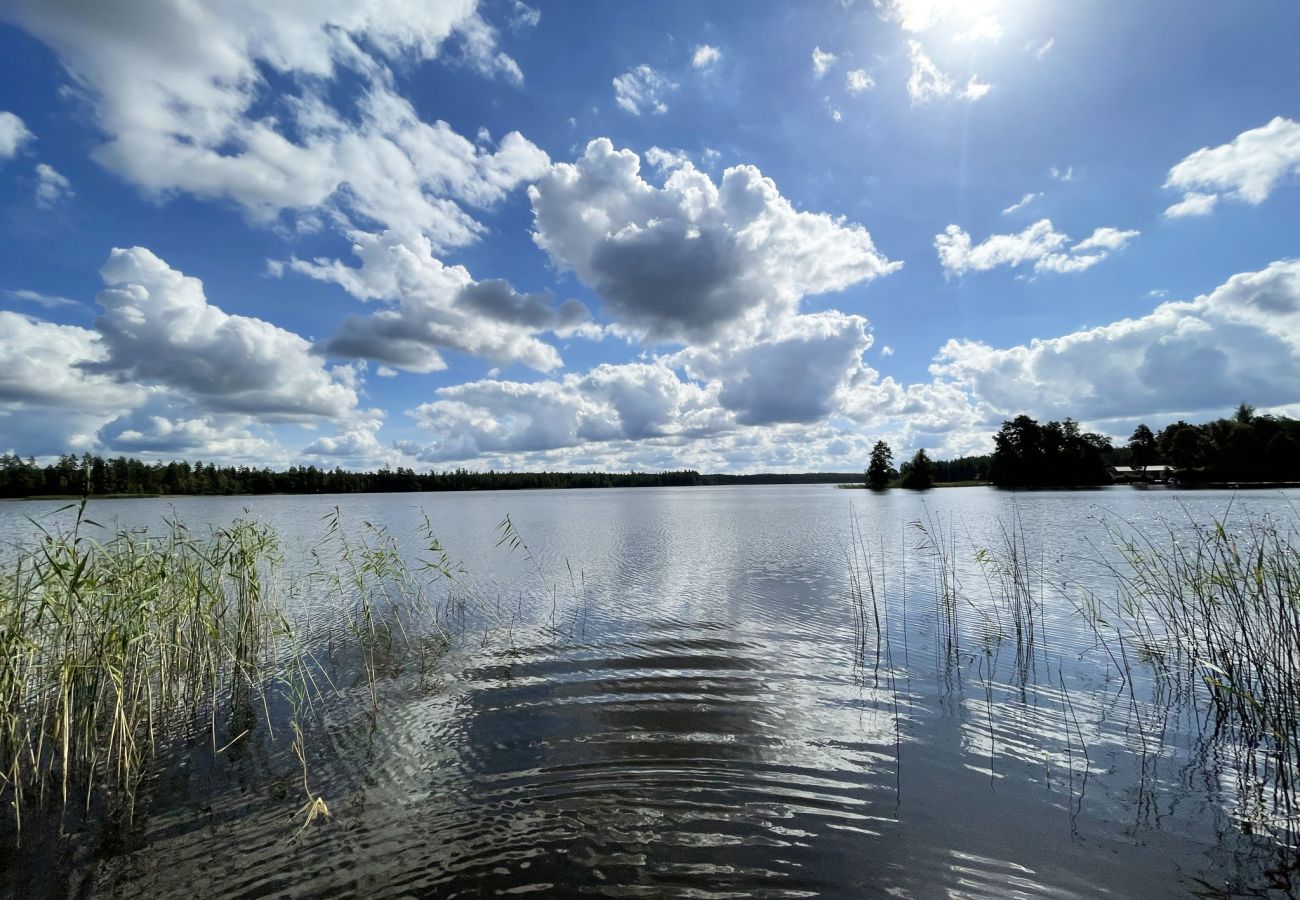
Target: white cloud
pixel 985 28
pixel 51 187
pixel 796 377
pixel 356 446
pixel 1066 174
pixel 822 60
pixel 832 110
pixel 435 306
pixel 1247 169
pixel 975 89
pixel 699 394
pixel 667 160
pixel 49 301
pixel 857 81
pixel 1040 244
pixel 1106 238
pixel 42 365
pixel 1240 341
pixel 524 16
pixel 926 83
pixel 159 329
pixel 1193 204
pixel 642 88
pixel 691 260
pixel 1040 49
pixel 1021 203
pixel 13 134
pixel 705 55
pixel 179 90
pixel 161 428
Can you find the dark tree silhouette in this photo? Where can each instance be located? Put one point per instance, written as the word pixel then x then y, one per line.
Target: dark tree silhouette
pixel 1142 447
pixel 918 473
pixel 881 468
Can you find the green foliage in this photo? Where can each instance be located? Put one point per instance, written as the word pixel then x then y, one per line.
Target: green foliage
pixel 880 471
pixel 1142 446
pixel 918 473
pixel 1027 454
pixel 94 476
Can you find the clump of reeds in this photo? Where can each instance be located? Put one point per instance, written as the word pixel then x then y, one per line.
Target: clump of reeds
pixel 112 643
pixel 1224 603
pixel 103 645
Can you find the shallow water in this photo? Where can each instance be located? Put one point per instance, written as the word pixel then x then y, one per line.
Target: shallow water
pixel 677 702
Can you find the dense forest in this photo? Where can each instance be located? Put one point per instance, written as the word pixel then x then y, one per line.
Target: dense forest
pixel 96 476
pixel 1242 448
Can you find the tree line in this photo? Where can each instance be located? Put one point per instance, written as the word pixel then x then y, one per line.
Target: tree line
pixel 96 476
pixel 1241 448
pixel 93 475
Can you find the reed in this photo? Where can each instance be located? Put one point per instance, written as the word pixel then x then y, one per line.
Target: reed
pixel 112 644
pixel 105 647
pixel 1221 602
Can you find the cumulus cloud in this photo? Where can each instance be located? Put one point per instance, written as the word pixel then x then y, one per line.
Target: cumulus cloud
pixel 692 260
pixel 46 365
pixel 1193 204
pixel 1242 340
pixel 162 428
pixel 697 394
pixel 975 89
pixel 822 60
pixel 1040 244
pixel 159 329
pixel 705 55
pixel 796 377
pixel 642 89
pixel 857 81
pixel 356 445
pixel 1247 169
pixel 433 306
pixel 926 83
pixel 181 92
pixel 51 187
pixel 1021 203
pixel 13 134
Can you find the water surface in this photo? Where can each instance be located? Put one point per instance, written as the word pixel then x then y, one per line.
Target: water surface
pixel 671 694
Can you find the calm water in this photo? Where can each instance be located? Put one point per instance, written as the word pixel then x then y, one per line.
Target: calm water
pixel 680 705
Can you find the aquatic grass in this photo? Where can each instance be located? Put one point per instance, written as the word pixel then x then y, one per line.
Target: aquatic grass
pixel 1220 603
pixel 104 646
pixel 114 643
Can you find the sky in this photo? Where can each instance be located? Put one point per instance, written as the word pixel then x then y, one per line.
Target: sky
pixel 728 236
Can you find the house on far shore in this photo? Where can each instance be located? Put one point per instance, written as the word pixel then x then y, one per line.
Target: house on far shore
pixel 1143 474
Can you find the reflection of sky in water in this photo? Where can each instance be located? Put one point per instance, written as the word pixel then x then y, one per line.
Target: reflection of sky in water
pixel 683 708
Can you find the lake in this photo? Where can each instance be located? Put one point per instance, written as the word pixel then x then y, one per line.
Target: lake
pixel 714 692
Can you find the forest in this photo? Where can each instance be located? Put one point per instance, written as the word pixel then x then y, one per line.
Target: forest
pixel 1242 448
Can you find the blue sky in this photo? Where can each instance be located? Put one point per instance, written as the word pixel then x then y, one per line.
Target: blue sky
pixel 726 236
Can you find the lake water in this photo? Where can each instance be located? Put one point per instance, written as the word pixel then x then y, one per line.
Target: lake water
pixel 678 700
